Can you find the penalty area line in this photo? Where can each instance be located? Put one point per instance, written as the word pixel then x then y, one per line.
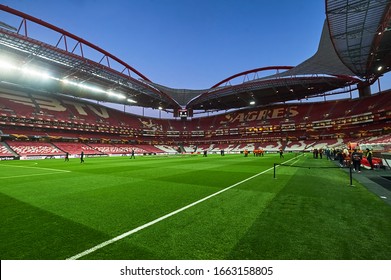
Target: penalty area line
pixel 128 233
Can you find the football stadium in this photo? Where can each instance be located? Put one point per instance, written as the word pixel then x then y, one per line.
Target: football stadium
pixel 274 163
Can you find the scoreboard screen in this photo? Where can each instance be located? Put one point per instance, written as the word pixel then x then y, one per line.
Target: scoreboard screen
pixel 183 113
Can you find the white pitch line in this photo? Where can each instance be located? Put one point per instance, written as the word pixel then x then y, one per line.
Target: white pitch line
pixel 128 233
pixel 38 174
pixel 43 168
pixel 294 162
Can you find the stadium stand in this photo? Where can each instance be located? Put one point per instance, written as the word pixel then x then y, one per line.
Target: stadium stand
pixel 297 126
pixel 5 151
pixel 109 149
pixel 77 148
pixel 271 146
pixel 167 149
pixel 297 146
pixel 25 149
pixel 379 140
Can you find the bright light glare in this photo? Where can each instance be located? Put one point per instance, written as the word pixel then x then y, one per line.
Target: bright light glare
pixel 131 100
pixel 68 82
pixel 35 73
pixel 95 89
pixel 118 95
pixel 6 64
pixel 88 87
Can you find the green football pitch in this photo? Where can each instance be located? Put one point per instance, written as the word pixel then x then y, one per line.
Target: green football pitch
pixel 189 208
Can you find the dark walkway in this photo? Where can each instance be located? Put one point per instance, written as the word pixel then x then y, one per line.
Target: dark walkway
pixel 377 181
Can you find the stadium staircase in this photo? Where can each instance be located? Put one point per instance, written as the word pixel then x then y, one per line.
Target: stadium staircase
pixel 182 149
pixel 5 150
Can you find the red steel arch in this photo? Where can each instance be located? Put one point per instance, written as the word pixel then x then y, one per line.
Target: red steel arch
pixel 65 34
pixel 252 71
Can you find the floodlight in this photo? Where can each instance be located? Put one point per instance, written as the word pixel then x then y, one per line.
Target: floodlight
pixel 92 88
pixel 68 82
pixel 35 73
pixel 6 65
pixel 118 95
pixel 131 100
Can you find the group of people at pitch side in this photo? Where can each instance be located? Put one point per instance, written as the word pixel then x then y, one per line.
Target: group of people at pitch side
pixel 355 158
pixel 351 155
pixel 318 153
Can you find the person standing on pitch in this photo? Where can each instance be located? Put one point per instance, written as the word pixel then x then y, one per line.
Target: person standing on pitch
pixel 356 160
pixel 132 155
pixel 368 154
pixel 82 157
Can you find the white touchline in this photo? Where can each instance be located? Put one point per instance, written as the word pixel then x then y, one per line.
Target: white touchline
pixel 122 236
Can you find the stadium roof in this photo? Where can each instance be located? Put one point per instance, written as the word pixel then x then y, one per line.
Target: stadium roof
pixel 354 50
pixel 360 33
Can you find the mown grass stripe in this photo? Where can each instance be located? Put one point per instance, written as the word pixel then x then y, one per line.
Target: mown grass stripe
pixel 128 233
